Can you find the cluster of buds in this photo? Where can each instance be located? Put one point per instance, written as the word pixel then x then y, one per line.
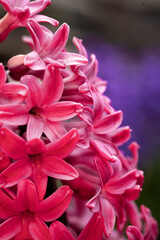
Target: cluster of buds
pixel 62 174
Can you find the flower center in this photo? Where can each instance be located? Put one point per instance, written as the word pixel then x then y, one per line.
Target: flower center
pixel 34 157
pixel 34 111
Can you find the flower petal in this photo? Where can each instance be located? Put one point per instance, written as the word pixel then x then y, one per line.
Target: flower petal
pixel 13 145
pixel 35 127
pixel 52 85
pixel 14 114
pixel 42 18
pixel 62 110
pixel 64 145
pixel 94 228
pixel 109 123
pixel 55 205
pixel 73 58
pixel 121 135
pixel 40 180
pixel 34 94
pixel 105 150
pixel 27 198
pixel 7 205
pixel 35 146
pixel 121 184
pixel 16 171
pixel 58 42
pixel 10 228
pixel 109 216
pixel 58 231
pixel 34 62
pixel 12 93
pixel 133 233
pixel 38 229
pixel 57 168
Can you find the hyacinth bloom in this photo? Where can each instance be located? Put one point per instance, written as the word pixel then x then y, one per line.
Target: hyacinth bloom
pixel 11 92
pixel 18 13
pixel 42 110
pixel 115 189
pixel 103 134
pixel 48 48
pixel 58 129
pixel 36 160
pixel 26 212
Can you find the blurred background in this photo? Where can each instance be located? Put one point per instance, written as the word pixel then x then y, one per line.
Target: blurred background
pixel 125 37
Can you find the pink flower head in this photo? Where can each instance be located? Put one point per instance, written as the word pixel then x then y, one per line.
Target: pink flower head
pixel 19 12
pixel 114 193
pixel 49 48
pixel 103 134
pixel 27 212
pixel 42 110
pixel 11 92
pixel 36 160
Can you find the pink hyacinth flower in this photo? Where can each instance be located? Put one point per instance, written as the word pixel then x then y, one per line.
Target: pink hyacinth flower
pixel 11 92
pixel 112 195
pixel 36 160
pixel 49 48
pixel 42 110
pixel 19 12
pixel 26 212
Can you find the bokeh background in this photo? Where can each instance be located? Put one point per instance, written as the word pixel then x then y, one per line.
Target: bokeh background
pixel 125 37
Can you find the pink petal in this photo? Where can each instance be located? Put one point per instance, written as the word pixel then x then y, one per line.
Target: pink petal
pixel 12 93
pixel 34 94
pixel 35 127
pixel 7 205
pixel 27 198
pixel 73 58
pixel 42 18
pixel 55 205
pixel 57 168
pixel 33 61
pixel 81 49
pixel 15 172
pixel 109 123
pixel 15 114
pixel 133 215
pixel 121 135
pixel 58 231
pixel 2 75
pixel 10 228
pixel 105 150
pixel 109 216
pixel 62 110
pixel 39 179
pixel 38 6
pixel 64 145
pixel 35 146
pixel 38 35
pixel 121 184
pixel 13 145
pixel 94 228
pixel 38 229
pixel 52 80
pixel 58 42
pixel 133 233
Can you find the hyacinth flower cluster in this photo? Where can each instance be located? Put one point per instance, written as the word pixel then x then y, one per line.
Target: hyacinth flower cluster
pixel 62 174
